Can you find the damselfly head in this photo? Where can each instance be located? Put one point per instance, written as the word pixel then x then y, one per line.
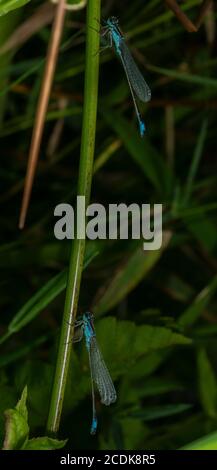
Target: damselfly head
pixel 88 316
pixel 112 21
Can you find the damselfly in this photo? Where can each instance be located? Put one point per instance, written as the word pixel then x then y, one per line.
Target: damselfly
pixel 137 84
pixel 98 370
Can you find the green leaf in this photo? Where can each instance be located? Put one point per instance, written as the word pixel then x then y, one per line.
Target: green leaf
pixel 40 300
pixel 17 429
pixel 136 268
pixel 148 364
pixel 193 312
pixel 9 5
pixel 156 412
pixel 208 442
pixel 207 384
pixel 21 405
pixel 132 390
pixel 77 4
pixel 44 443
pixel 8 398
pixel 157 337
pixel 130 343
pixel 156 387
pixel 185 77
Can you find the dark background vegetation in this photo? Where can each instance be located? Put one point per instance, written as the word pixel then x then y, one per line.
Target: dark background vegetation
pixel 155 314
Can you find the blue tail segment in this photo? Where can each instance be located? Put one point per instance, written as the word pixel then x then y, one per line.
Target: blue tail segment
pixel 93 427
pixel 142 128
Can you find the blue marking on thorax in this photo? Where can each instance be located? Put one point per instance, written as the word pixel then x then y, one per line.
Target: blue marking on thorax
pixel 88 330
pixel 116 39
pixel 116 36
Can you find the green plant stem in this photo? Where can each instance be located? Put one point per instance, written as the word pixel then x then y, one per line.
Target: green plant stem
pixel 84 187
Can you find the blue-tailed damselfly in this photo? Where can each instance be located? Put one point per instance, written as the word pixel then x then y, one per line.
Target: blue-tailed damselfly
pixel 98 370
pixel 137 84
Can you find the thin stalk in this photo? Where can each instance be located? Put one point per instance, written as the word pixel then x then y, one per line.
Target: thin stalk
pixel 51 60
pixel 84 188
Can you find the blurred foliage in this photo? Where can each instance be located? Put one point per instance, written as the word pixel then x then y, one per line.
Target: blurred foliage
pixel 10 5
pixel 159 339
pixel 17 430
